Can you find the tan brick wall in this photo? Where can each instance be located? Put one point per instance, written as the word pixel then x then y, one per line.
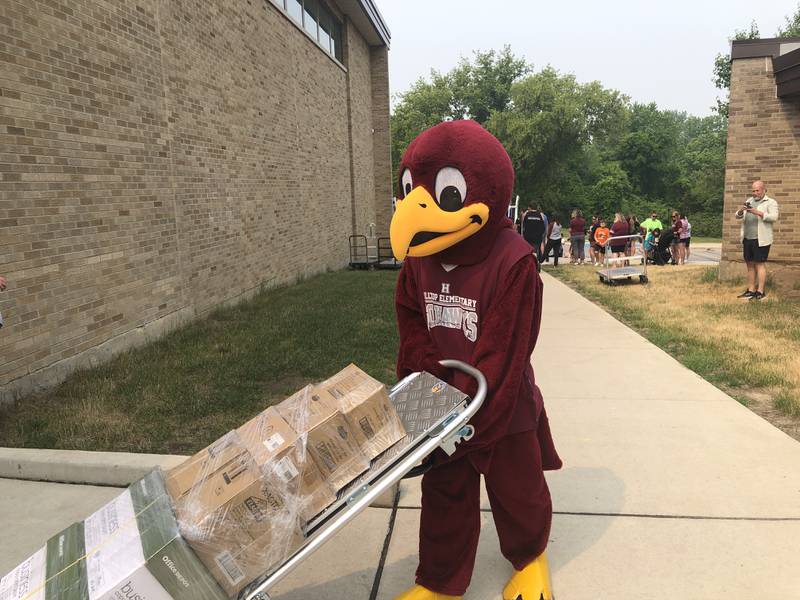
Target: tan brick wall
pixel 159 158
pixel 381 139
pixel 763 143
pixel 359 80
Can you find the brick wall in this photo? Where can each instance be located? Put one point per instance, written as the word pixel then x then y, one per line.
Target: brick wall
pixel 359 83
pixel 159 158
pixel 382 145
pixel 763 143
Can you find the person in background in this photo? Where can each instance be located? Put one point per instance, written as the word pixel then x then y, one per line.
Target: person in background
pixel 553 240
pixel 651 240
pixel 688 239
pixel 651 223
pixel 684 237
pixel 594 249
pixel 601 235
pixel 533 230
pixel 577 235
pixel 675 247
pixel 633 229
pixel 619 228
pixel 544 216
pixel 757 216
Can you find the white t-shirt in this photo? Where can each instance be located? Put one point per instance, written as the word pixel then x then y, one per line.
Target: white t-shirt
pixel 555 233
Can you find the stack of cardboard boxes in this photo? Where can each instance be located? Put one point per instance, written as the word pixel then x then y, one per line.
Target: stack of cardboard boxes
pixel 241 504
pixel 130 548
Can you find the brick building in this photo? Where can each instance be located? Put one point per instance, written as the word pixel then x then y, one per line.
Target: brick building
pixel 764 143
pixel 159 158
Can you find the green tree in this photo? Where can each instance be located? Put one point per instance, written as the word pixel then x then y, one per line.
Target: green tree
pixel 612 192
pixel 648 152
pixel 424 105
pixel 473 89
pixel 792 28
pixel 702 162
pixel 550 121
pixel 483 86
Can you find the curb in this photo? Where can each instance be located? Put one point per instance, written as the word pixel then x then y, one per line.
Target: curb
pixel 111 469
pixel 114 469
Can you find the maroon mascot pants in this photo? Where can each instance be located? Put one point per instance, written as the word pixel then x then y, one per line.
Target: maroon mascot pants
pixel 451 519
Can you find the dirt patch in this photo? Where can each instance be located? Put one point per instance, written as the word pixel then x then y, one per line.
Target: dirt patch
pixel 762 403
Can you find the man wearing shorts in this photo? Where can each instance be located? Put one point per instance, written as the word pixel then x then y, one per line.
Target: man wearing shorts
pixel 757 215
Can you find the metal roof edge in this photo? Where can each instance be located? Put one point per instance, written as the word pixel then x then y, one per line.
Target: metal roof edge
pixel 371 10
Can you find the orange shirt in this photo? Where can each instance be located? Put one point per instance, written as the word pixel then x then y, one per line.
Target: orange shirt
pixel 601 235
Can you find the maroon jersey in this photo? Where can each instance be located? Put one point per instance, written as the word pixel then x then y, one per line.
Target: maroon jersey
pixel 462 309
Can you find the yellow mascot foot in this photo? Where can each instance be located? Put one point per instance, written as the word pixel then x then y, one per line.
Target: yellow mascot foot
pixel 532 583
pixel 420 593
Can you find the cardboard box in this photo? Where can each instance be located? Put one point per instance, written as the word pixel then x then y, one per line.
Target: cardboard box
pixel 130 548
pixel 240 521
pixel 326 435
pixel 279 452
pixel 365 404
pixel 235 559
pixel 239 511
pixel 181 479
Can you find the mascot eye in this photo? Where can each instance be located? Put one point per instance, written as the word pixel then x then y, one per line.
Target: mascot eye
pixel 406 184
pixel 451 189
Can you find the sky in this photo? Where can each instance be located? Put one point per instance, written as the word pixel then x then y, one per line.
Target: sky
pixel 660 52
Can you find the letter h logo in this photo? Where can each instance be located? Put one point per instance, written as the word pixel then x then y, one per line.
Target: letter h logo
pixel 445 288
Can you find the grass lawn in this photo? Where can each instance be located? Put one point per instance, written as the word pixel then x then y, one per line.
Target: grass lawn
pixel 749 349
pixel 706 240
pixel 184 391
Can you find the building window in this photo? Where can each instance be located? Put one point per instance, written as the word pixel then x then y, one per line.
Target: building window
pixel 319 22
pixel 310 17
pixel 336 41
pixel 325 29
pixel 295 10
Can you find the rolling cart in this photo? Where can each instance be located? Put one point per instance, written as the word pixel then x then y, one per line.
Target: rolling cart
pixel 614 268
pixel 435 415
pixel 372 253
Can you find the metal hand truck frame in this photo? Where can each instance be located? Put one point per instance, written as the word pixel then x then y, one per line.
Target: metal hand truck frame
pixel 435 415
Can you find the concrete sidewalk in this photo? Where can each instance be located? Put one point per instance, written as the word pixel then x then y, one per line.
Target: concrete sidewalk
pixel 671 489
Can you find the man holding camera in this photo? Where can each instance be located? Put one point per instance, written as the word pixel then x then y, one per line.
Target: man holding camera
pixel 757 215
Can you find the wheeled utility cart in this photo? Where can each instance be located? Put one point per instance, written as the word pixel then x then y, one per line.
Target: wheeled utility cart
pixel 435 415
pixel 621 268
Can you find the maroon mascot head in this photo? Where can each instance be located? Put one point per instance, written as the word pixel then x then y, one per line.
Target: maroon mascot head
pixel 455 183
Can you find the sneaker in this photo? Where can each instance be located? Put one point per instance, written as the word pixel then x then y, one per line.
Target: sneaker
pixel 746 294
pixel 757 295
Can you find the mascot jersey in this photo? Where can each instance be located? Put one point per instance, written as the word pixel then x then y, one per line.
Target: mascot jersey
pixel 469 289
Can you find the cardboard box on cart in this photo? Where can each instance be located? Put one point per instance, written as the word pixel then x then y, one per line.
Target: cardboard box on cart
pixel 240 517
pixel 277 448
pixel 129 548
pixel 327 436
pixel 365 403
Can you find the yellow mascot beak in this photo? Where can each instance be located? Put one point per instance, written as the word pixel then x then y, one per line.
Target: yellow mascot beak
pixel 420 228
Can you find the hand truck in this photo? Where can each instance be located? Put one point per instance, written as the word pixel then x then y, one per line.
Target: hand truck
pixel 435 415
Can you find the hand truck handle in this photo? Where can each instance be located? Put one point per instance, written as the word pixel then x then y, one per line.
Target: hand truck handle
pixel 480 395
pixel 477 401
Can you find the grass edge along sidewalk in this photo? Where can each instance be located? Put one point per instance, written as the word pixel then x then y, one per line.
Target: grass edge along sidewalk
pixel 179 393
pixel 750 350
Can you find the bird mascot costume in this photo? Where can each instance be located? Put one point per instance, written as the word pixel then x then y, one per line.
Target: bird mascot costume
pixel 470 290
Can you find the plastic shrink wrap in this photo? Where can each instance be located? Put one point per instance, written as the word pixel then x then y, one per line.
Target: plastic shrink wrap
pixel 242 504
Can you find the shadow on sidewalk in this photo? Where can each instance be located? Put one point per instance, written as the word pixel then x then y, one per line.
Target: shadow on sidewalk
pixel 582 491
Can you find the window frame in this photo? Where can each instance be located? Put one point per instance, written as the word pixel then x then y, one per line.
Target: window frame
pixel 337 27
